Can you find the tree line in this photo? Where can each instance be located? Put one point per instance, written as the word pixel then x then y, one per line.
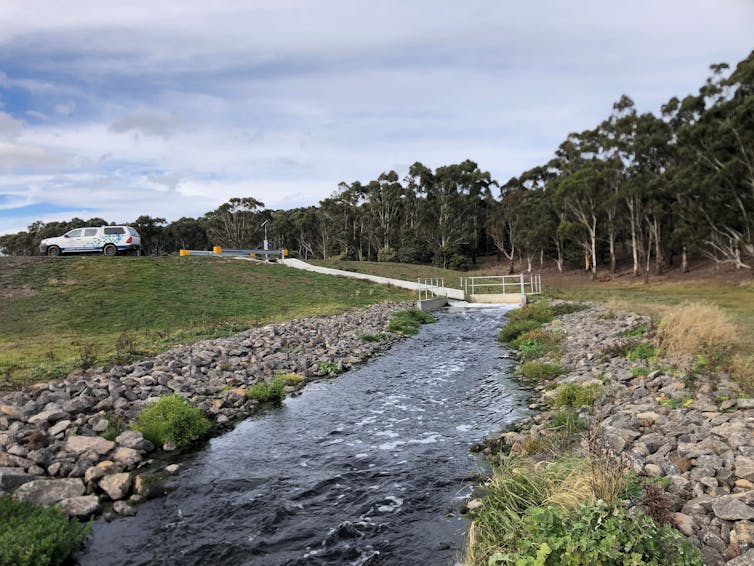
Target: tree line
pixel 658 190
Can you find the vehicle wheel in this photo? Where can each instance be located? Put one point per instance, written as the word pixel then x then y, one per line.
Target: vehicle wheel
pixel 110 250
pixel 53 251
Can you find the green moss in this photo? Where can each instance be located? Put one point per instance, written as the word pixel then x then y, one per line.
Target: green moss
pixel 174 419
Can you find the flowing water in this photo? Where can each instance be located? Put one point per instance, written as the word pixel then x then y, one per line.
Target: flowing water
pixel 371 467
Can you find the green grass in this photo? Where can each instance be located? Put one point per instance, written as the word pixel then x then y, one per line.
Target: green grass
pixel 408 322
pixel 575 395
pixel 273 391
pixel 539 371
pixel 172 418
pixel 61 313
pixel 37 536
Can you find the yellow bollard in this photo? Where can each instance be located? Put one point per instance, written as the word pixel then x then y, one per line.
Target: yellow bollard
pixel 217 250
pixel 184 253
pixel 285 252
pixel 252 254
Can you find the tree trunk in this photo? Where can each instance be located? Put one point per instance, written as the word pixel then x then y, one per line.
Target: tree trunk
pixel 684 261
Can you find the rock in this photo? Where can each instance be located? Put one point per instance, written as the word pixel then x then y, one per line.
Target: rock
pixel 50 492
pixel 11 478
pixel 730 508
pixel 134 440
pixel 743 533
pixel 123 508
pixel 82 506
pixel 653 470
pixel 699 505
pixel 116 485
pixel 101 425
pixel 745 468
pixel 47 416
pixel 95 444
pixel 59 427
pixel 747 403
pixel 473 504
pixel 684 523
pixel 746 559
pixel 172 469
pixel 169 446
pixel 126 456
pixel 94 473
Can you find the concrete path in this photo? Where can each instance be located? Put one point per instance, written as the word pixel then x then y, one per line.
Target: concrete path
pixel 442 291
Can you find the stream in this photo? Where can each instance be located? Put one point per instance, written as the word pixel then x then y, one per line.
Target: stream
pixel 371 467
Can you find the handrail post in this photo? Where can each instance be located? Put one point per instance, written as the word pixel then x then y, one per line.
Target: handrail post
pixel 523 293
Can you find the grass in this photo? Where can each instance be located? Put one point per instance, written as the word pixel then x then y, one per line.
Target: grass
pixel 535 344
pixel 539 371
pixel 273 391
pixel 172 419
pixel 408 322
pixel 37 536
pixel 575 395
pixel 61 313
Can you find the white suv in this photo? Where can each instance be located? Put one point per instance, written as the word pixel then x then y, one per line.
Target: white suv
pixel 106 239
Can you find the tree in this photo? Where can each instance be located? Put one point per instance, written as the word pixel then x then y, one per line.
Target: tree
pixel 236 223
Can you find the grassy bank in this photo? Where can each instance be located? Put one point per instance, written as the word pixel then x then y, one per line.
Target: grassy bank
pixel 58 314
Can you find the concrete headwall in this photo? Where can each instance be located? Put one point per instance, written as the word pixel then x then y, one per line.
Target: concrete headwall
pixel 429 305
pixel 498 298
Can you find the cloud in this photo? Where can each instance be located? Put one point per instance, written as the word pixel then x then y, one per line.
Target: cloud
pixel 65 108
pixel 146 122
pixel 10 127
pixel 16 158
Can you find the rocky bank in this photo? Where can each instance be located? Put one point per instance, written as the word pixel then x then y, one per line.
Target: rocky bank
pixel 696 431
pixel 52 448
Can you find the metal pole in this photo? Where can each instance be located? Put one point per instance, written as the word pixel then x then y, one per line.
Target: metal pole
pixel 523 293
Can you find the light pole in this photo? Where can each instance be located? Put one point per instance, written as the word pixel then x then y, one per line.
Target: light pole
pixel 266 244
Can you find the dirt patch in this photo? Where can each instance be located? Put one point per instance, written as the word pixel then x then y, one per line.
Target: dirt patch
pixel 7 292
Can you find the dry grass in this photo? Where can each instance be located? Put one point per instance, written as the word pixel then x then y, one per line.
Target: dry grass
pixel 695 329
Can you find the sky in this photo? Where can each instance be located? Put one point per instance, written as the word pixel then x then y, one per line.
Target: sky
pixel 171 107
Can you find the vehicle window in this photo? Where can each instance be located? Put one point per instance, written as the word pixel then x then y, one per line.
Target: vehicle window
pixel 114 230
pixel 90 231
pixel 74 233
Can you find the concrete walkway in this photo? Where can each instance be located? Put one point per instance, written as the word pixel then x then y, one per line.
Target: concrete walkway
pixel 451 293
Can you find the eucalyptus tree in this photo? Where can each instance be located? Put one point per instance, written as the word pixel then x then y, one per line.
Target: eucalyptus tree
pixel 236 223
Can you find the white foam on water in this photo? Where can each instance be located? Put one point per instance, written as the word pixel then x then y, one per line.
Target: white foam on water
pixel 396 503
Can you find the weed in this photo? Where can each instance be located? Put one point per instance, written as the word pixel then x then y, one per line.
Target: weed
pixel 567 421
pixel 535 344
pixel 642 351
pixel 407 322
pixel 656 503
pixel 515 328
pixel 636 332
pixel 379 337
pixel 125 347
pixel 263 391
pixel 291 378
pixel 608 478
pixel 696 329
pixel 172 418
pixel 329 368
pixel 87 354
pixel 676 402
pixel 539 371
pixel 31 535
pixel 115 426
pixel 640 372
pixel 575 395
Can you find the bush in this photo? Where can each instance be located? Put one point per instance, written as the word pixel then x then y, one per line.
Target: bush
pixel 407 322
pixel 329 368
pixel 574 395
pixel 596 534
pixel 539 371
pixel 37 536
pixel 291 378
pixel 172 419
pixel 386 254
pixel 379 337
pixel 263 391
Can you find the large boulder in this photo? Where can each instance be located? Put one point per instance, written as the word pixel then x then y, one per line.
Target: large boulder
pixel 11 478
pixel 82 506
pixel 96 444
pixel 116 486
pixel 50 492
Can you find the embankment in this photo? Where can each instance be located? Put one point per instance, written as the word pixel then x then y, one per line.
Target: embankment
pixel 690 431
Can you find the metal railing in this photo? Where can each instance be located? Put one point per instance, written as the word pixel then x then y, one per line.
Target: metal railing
pixel 431 287
pixel 524 284
pixel 235 252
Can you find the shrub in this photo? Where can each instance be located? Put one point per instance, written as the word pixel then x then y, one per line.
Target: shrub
pixel 267 391
pixel 386 254
pixel 407 322
pixel 574 395
pixel 37 536
pixel 291 378
pixel 636 332
pixel 695 329
pixel 539 370
pixel 172 418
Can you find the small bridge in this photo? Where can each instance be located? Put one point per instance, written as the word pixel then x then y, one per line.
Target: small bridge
pixel 489 289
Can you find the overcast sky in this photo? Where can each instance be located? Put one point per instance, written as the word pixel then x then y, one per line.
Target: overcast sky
pixel 171 107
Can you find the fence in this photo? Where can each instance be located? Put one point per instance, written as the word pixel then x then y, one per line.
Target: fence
pixel 431 287
pixel 523 284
